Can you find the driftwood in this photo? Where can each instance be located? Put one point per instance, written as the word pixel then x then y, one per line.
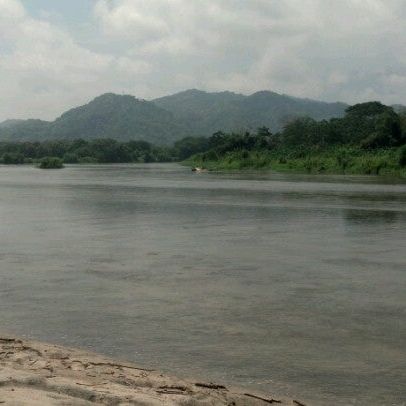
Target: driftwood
pixel 91 385
pixel 263 399
pixel 181 388
pixel 296 402
pixel 210 386
pixel 170 392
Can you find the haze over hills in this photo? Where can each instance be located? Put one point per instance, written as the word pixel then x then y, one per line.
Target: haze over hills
pixel 167 119
pixel 9 123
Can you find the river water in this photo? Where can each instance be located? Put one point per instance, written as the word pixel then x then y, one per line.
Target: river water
pixel 290 284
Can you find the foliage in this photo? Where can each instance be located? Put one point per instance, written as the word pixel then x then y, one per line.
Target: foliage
pixel 402 156
pixel 189 146
pixel 50 162
pixel 369 139
pixel 81 151
pixel 366 140
pixel 13 158
pixel 345 161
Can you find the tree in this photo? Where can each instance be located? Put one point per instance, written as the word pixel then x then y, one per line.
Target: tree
pixel 387 131
pixel 367 110
pixel 189 146
pixel 300 132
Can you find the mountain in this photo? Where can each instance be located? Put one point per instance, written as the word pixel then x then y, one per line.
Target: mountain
pixel 227 111
pixel 119 117
pixel 107 116
pixel 17 130
pixel 167 119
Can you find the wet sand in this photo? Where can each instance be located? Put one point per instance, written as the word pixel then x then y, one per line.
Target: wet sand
pixel 33 373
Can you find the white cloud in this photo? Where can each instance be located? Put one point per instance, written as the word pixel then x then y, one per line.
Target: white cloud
pixel 138 20
pixel 350 50
pixel 43 71
pixel 328 49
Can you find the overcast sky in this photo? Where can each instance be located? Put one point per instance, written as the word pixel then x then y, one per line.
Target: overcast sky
pixel 59 54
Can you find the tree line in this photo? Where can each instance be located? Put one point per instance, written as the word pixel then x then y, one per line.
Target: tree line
pixel 370 138
pixel 367 129
pixel 367 126
pixel 81 151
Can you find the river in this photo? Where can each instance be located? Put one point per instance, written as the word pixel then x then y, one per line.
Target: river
pixel 290 284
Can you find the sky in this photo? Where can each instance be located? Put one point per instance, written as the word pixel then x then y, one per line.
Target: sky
pixel 55 55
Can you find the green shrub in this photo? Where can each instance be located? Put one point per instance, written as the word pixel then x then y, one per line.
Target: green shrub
pixel 50 162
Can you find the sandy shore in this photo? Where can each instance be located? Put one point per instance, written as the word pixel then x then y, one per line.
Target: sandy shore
pixel 34 373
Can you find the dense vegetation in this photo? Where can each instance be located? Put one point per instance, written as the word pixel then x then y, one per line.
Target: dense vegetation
pixel 166 120
pixel 81 151
pixel 51 162
pixel 369 139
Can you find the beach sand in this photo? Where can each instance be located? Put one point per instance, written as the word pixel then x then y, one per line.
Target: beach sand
pixel 33 373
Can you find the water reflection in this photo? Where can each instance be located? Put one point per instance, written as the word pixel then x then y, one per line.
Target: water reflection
pixel 371 217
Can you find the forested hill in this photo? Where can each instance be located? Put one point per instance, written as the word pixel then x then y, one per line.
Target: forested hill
pixel 209 112
pixel 107 116
pixel 165 120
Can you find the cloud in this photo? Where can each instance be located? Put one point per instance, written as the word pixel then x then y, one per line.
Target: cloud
pixel 44 71
pixel 349 50
pixel 325 49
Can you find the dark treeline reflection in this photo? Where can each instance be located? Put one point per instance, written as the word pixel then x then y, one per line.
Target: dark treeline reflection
pixel 369 217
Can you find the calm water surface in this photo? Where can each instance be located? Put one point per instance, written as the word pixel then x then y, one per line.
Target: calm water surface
pixel 287 283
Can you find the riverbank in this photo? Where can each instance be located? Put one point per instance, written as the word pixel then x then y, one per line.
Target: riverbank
pixel 345 161
pixel 35 373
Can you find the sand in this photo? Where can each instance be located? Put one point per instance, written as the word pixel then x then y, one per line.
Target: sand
pixel 33 373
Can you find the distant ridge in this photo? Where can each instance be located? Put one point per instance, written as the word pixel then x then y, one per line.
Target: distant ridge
pixel 229 111
pixel 167 119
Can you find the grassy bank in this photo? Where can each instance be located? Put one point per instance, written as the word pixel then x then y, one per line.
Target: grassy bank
pixel 387 162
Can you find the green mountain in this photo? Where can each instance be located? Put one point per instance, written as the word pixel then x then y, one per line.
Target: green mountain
pixel 207 113
pixel 167 119
pixel 107 116
pixel 118 117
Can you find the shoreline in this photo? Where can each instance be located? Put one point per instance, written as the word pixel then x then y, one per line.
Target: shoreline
pixel 217 168
pixel 34 373
pixel 385 162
